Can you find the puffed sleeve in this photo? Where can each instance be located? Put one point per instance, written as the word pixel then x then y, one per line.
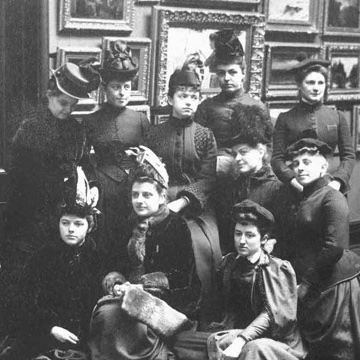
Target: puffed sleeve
pixel 278 163
pixel 199 191
pixel 334 238
pixel 347 154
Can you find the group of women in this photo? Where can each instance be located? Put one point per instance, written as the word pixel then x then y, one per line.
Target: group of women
pixel 159 225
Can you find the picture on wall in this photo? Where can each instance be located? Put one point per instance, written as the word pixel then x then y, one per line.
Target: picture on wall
pixel 294 15
pixel 344 79
pixel 279 81
pixel 141 54
pixel 342 17
pixel 77 55
pixel 110 15
pixel 179 34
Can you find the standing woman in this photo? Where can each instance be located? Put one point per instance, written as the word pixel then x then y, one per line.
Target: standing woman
pixel 110 131
pixel 46 151
pixel 189 153
pixel 310 118
pixel 328 273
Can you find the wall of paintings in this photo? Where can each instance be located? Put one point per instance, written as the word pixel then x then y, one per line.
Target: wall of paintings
pixel 163 32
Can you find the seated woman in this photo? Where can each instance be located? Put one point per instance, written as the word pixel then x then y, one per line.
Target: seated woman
pixel 259 295
pixel 329 291
pixel 59 288
pixel 161 242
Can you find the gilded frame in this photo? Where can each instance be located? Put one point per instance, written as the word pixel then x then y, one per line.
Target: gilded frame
pixel 69 21
pixel 141 51
pixel 170 24
pixel 76 55
pixel 284 15
pixel 344 74
pixel 336 18
pixel 279 83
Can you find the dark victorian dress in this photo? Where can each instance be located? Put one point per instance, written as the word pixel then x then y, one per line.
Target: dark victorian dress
pixel 110 131
pixel 189 153
pixel 330 127
pixel 329 313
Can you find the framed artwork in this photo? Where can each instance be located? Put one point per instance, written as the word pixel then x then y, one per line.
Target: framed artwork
pixel 342 17
pixel 178 33
pixel 160 118
pixel 107 15
pixel 292 15
pixel 279 82
pixel 141 53
pixel 76 55
pixel 344 76
pixel 145 109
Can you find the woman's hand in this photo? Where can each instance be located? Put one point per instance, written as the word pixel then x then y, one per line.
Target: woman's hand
pixel 177 205
pixel 296 185
pixel 233 351
pixel 62 335
pixel 335 184
pixel 302 290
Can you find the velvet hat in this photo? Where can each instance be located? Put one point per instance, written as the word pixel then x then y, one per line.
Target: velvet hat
pixel 183 77
pixel 227 45
pixel 309 145
pixel 250 207
pixel 249 125
pixel 118 63
pixel 304 62
pixel 76 81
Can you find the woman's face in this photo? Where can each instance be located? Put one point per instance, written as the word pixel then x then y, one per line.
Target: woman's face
pixel 73 229
pixel 184 102
pixel 308 168
pixel 61 106
pixel 247 239
pixel 118 93
pixel 145 199
pixel 312 88
pixel 230 77
pixel 248 159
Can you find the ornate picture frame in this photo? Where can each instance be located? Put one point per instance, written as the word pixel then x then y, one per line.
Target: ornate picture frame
pixel 279 82
pixel 342 17
pixel 178 32
pixel 294 16
pixel 141 52
pixel 106 15
pixel 76 55
pixel 344 73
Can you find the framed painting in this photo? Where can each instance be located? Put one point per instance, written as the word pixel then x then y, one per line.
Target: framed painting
pixel 141 53
pixel 292 15
pixel 76 55
pixel 279 82
pixel 342 17
pixel 178 33
pixel 92 15
pixel 344 77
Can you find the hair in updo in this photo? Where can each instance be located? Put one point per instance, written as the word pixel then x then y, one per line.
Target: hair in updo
pixel 252 219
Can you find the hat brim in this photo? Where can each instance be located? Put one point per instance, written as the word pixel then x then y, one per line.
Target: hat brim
pixel 84 96
pixel 310 62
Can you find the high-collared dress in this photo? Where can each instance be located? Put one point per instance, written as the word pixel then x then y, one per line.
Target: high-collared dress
pixel 111 131
pixel 189 153
pixel 330 126
pixel 329 313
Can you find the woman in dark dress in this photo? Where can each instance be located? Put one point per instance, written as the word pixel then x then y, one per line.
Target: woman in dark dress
pixel 110 131
pixel 328 273
pixel 311 116
pixel 189 153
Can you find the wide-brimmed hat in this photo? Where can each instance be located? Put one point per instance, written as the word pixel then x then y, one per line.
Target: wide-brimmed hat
pixel 304 62
pixel 118 63
pixel 250 207
pixel 76 81
pixel 307 145
pixel 227 45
